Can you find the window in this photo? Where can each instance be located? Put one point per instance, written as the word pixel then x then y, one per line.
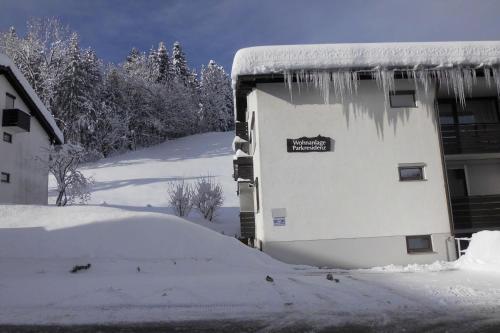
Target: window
pixel 417 244
pixel 252 134
pixel 457 183
pixel 257 194
pixel 9 101
pixel 411 172
pixel 5 177
pixel 480 110
pixel 402 99
pixel 7 137
pixel 446 113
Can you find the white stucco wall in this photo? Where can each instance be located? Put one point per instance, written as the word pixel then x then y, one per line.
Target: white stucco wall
pixel 352 192
pixel 24 158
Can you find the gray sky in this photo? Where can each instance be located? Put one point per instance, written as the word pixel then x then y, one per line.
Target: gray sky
pixel 215 29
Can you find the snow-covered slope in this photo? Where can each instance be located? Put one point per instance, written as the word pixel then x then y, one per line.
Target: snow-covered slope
pixel 137 181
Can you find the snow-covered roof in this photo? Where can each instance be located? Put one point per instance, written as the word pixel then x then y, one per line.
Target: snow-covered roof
pixel 44 116
pixel 282 58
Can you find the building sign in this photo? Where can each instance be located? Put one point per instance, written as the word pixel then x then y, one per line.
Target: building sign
pixel 279 221
pixel 307 145
pixel 279 217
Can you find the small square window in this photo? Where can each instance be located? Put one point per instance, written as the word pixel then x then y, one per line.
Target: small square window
pixel 5 177
pixel 414 172
pixel 7 137
pixel 402 99
pixel 9 101
pixel 416 244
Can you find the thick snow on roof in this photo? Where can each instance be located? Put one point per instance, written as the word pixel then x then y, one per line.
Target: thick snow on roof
pixel 281 58
pixel 5 61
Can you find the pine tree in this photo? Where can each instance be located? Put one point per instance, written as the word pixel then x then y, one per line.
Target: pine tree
pixel 179 64
pixel 75 105
pixel 162 64
pixel 216 99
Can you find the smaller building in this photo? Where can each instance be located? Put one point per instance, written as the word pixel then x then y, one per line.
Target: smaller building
pixel 27 131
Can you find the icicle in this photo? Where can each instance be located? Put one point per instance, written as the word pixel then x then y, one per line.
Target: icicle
pixel 288 76
pixel 487 75
pixel 385 80
pixel 469 79
pixel 424 78
pixel 496 77
pixel 458 80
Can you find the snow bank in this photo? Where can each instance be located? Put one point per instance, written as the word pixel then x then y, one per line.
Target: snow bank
pixel 483 252
pixel 96 232
pixel 281 58
pixel 413 268
pixel 5 61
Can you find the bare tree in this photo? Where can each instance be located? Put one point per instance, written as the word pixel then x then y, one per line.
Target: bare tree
pixel 180 197
pixel 64 161
pixel 208 196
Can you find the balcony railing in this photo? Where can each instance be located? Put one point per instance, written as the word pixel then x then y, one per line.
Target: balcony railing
pixel 242 129
pixel 470 138
pixel 247 224
pixel 475 213
pixel 16 120
pixel 243 168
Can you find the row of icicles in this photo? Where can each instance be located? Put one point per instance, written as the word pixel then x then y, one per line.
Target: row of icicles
pixel 458 80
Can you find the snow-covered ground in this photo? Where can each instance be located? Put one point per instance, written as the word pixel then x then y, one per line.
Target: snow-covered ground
pixel 137 181
pixel 150 266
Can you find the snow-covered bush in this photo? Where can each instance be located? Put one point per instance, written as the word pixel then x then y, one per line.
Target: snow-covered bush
pixel 207 197
pixel 180 196
pixel 64 161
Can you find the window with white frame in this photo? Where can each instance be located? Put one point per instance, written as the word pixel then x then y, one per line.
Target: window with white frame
pixel 411 172
pixel 419 244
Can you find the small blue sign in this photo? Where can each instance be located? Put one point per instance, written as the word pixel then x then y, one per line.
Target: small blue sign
pixel 279 221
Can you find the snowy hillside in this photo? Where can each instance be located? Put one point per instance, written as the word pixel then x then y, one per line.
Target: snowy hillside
pixel 150 266
pixel 137 181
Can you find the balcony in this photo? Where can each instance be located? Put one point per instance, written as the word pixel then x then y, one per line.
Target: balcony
pixel 475 213
pixel 242 130
pixel 470 138
pixel 16 120
pixel 243 168
pixel 247 224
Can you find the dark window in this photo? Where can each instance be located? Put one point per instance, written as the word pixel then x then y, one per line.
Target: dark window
pixel 7 137
pixel 481 110
pixel 402 99
pixel 457 183
pixel 9 101
pixel 5 177
pixel 257 194
pixel 446 114
pixel 415 244
pixel 411 173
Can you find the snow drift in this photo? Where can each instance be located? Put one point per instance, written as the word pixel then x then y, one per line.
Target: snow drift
pixel 483 252
pixel 95 232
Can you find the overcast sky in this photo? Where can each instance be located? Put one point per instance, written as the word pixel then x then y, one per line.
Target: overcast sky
pixel 216 29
